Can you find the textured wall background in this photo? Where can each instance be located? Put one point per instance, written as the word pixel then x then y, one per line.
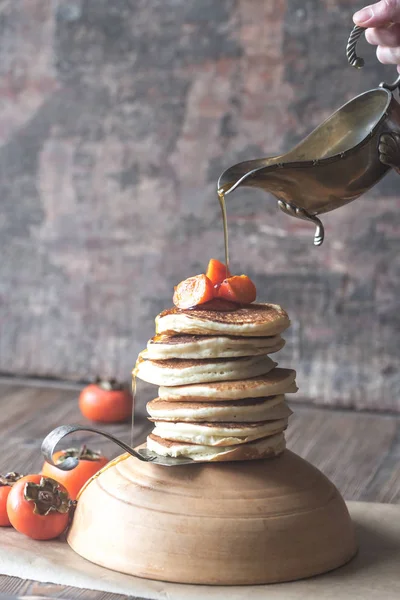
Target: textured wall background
pixel 116 118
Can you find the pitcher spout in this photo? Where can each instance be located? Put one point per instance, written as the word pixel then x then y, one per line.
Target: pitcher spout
pixel 285 180
pixel 244 173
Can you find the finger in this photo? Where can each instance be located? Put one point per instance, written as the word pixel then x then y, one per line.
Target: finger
pixel 378 15
pixel 388 56
pixel 384 36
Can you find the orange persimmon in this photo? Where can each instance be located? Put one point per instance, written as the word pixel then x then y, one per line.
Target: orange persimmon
pixel 89 463
pixel 6 483
pixel 193 291
pixel 238 288
pixel 39 507
pixel 217 272
pixel 106 401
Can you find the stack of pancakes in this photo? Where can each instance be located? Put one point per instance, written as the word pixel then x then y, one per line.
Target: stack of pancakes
pixel 221 397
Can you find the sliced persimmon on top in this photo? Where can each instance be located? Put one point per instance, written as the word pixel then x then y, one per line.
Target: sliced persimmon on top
pixel 217 272
pixel 193 291
pixel 238 288
pixel 217 290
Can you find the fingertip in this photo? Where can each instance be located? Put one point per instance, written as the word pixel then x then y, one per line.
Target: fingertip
pixel 357 21
pixel 363 16
pixel 380 55
pixel 370 36
pixel 388 56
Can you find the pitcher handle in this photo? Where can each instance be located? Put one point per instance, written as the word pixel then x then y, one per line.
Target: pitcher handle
pixel 358 62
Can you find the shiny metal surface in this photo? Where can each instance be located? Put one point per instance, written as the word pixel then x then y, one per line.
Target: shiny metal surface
pixel 56 435
pixel 338 162
pixel 353 59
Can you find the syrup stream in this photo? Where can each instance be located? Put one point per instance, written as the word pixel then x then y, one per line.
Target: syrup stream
pixel 221 197
pixel 133 406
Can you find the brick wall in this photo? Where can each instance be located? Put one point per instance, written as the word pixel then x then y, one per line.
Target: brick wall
pixel 116 120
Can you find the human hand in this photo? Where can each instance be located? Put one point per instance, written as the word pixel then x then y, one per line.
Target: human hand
pixel 383 29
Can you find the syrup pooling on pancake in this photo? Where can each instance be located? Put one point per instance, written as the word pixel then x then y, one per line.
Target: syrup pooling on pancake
pixel 221 397
pixel 254 320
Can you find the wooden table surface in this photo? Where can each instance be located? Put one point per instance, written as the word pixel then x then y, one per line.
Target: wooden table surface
pixel 359 452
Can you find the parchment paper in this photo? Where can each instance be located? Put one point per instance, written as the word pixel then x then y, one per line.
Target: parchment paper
pixel 373 574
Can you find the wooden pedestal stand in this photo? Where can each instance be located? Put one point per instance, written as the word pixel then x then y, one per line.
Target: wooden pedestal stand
pixel 221 524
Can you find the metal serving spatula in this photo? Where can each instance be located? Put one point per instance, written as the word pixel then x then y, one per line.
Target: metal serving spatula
pixel 51 440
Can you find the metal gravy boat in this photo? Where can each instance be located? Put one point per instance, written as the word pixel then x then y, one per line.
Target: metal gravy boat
pixel 340 160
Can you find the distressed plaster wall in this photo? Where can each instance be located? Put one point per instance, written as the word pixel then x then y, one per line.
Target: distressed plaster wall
pixel 116 118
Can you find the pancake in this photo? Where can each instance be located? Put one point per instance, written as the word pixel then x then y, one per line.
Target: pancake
pixel 277 381
pixel 217 434
pixel 245 411
pixel 252 320
pixel 166 346
pixel 268 447
pixel 177 371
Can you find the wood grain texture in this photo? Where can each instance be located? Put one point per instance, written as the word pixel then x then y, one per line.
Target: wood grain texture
pixel 16 586
pixel 359 452
pixel 117 119
pixel 180 524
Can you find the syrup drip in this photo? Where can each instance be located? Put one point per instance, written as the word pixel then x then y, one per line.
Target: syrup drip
pixel 221 197
pixel 133 406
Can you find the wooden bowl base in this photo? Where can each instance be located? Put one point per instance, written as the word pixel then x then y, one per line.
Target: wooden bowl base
pixel 251 522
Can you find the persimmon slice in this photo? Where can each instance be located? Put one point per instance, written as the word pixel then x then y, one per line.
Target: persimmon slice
pixel 217 272
pixel 193 291
pixel 238 288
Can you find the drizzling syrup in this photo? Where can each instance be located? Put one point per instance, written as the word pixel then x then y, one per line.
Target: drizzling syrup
pixel 133 405
pixel 221 197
